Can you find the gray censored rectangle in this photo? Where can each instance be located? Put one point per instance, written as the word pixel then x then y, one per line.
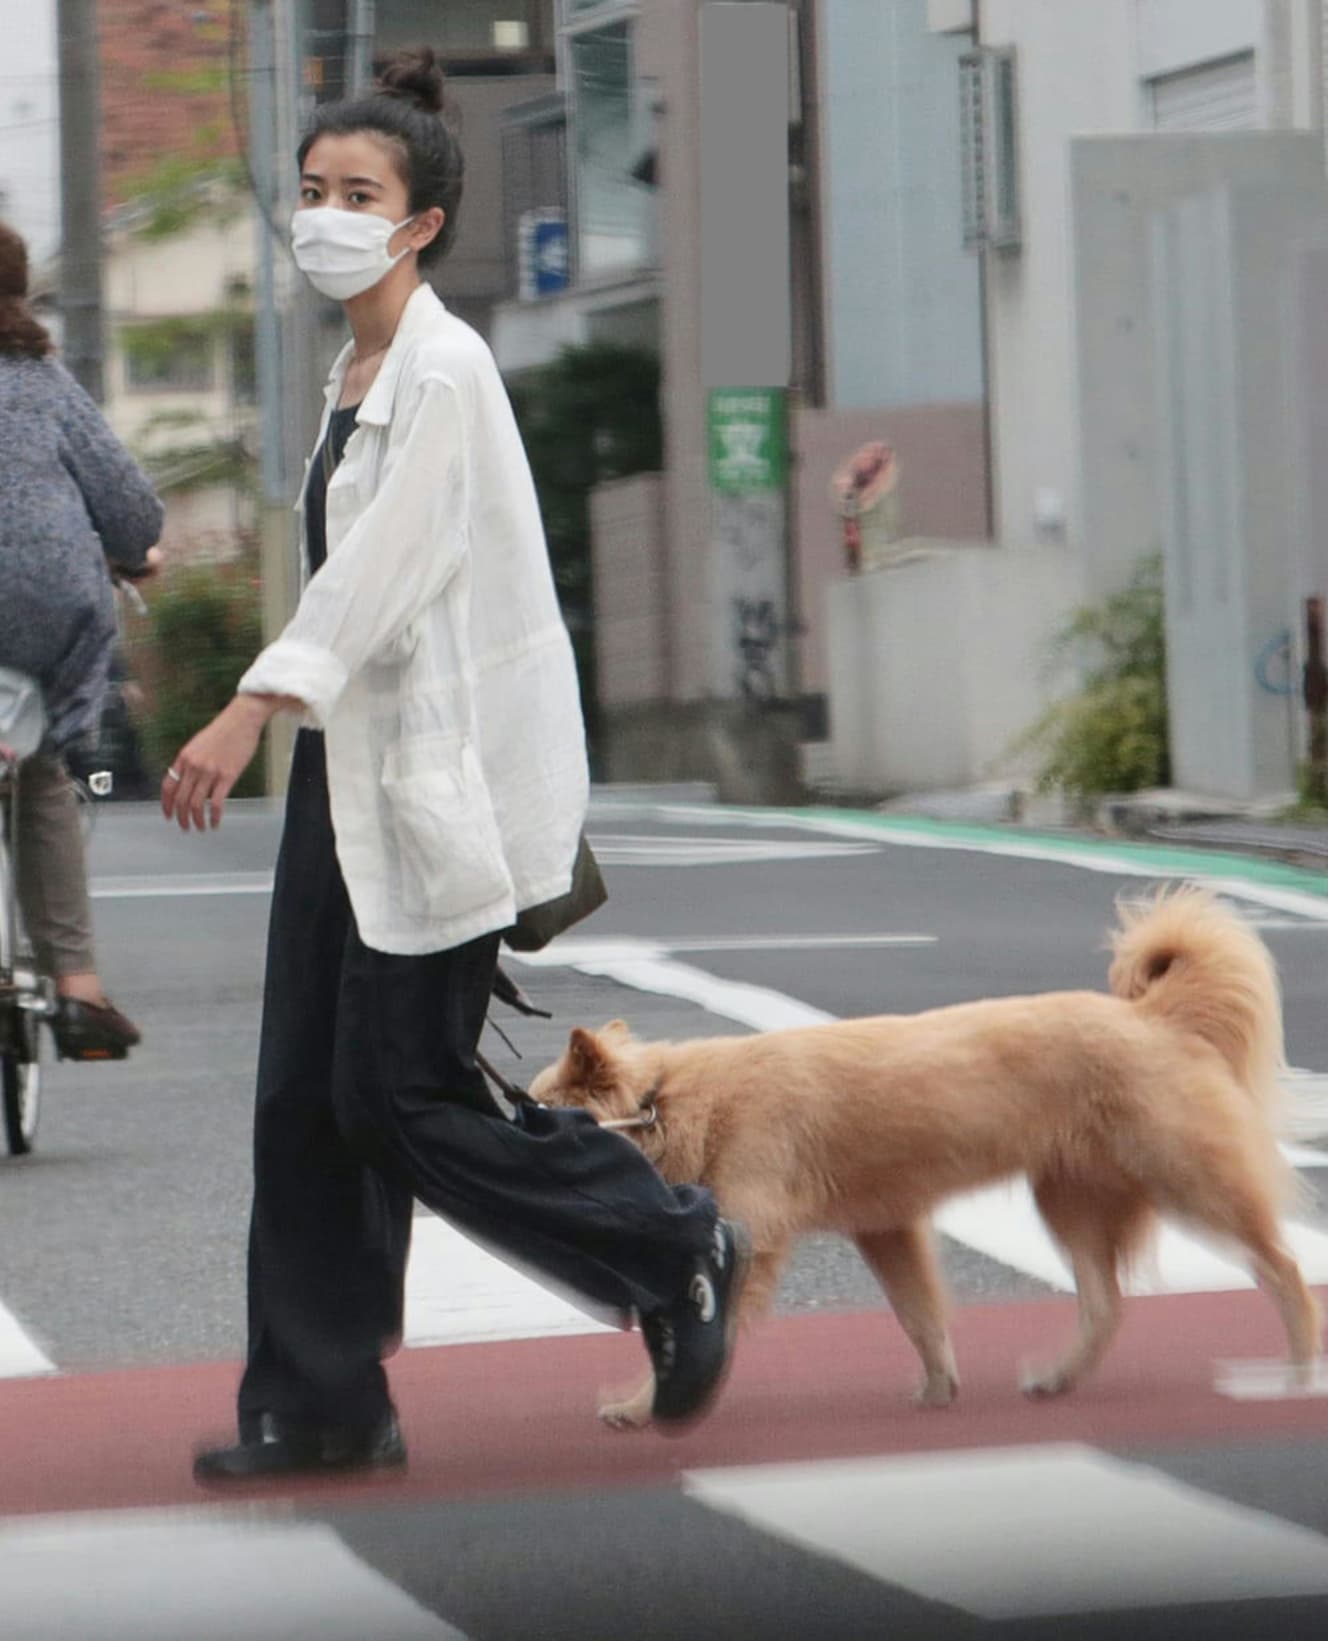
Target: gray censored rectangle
pixel 745 324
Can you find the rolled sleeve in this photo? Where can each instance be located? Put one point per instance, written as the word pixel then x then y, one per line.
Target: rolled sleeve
pixel 303 671
pixel 394 560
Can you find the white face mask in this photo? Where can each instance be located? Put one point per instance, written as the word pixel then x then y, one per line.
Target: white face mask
pixel 343 253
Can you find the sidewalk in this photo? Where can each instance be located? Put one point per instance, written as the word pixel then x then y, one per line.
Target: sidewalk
pixel 1161 815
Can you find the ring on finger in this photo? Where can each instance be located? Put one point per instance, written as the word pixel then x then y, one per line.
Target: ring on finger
pixel 173 774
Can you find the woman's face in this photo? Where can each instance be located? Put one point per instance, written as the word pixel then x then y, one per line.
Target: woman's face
pixel 361 172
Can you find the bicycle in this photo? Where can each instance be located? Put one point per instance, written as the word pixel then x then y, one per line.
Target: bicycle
pixel 26 998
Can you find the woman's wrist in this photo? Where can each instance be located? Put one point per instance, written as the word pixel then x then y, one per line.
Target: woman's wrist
pixel 261 709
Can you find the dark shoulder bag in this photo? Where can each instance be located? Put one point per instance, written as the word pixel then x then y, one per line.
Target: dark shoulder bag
pixel 538 925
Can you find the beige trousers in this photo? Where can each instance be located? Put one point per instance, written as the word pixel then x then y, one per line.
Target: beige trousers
pixel 52 870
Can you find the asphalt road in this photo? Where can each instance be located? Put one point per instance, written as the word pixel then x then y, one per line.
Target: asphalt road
pixel 124 1233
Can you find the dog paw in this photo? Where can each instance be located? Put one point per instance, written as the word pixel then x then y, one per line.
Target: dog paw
pixel 938 1392
pixel 624 1415
pixel 1040 1384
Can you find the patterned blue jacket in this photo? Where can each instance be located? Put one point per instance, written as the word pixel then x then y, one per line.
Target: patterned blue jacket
pixel 71 498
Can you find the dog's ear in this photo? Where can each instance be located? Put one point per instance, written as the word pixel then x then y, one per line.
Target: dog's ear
pixel 616 1028
pixel 587 1063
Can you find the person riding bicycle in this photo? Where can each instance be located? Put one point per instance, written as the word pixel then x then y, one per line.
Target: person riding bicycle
pixel 74 508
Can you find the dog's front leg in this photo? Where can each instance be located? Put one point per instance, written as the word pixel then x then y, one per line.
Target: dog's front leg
pixel 622 1410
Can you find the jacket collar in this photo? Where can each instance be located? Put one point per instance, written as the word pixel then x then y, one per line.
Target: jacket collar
pixel 422 307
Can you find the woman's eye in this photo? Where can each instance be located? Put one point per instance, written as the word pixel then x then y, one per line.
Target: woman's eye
pixel 359 198
pixel 308 195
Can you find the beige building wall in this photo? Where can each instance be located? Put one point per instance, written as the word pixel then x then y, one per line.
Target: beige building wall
pixel 630 570
pixel 942 488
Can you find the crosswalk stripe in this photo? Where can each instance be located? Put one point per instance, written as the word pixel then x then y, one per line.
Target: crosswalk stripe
pixel 459 1293
pixel 1110 1535
pixel 161 1575
pixel 20 1356
pixel 1003 1223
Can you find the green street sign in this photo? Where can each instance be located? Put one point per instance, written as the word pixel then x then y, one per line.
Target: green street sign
pixel 748 440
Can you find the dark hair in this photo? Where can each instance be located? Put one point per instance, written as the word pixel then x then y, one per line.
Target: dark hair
pixel 19 331
pixel 406 107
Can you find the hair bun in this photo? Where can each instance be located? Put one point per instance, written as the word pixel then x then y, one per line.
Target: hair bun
pixel 415 75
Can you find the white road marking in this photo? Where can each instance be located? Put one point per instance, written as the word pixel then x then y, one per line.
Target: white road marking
pixel 159 1575
pixel 1268 1381
pixel 1099 858
pixel 1003 1223
pixel 20 1356
pixel 181 886
pixel 638 849
pixel 1098 1534
pixel 458 1293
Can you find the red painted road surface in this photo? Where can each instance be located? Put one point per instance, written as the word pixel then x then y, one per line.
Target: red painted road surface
pixel 519 1417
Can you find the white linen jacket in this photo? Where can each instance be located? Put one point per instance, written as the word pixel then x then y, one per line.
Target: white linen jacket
pixel 431 651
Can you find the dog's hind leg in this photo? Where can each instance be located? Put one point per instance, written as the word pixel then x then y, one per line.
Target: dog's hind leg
pixel 904 1263
pixel 1234 1203
pixel 1096 1228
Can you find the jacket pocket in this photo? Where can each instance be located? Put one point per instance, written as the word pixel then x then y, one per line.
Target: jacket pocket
pixel 443 823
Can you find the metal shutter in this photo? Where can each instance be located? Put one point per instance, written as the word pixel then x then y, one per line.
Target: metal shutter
pixel 1217 97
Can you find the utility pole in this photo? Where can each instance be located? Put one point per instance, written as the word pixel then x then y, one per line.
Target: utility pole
pixel 359 45
pixel 80 192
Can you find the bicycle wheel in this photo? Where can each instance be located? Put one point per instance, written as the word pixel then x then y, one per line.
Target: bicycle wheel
pixel 20 1090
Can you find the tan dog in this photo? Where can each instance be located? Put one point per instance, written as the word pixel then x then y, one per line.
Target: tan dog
pixel 1155 1099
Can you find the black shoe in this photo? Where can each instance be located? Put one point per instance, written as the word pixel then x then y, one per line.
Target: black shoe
pixel 691 1343
pixel 92 1031
pixel 279 1450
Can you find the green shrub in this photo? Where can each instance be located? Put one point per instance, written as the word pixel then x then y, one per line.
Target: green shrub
pixel 1111 735
pixel 206 628
pixel 590 416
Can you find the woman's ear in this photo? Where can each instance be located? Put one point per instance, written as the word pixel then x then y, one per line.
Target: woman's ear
pixel 426 227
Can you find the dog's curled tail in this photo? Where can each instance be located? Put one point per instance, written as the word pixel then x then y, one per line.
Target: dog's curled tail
pixel 1182 955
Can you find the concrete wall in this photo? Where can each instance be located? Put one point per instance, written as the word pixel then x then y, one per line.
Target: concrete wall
pixel 1032 386
pixel 942 465
pixel 902 296
pixel 1227 264
pixel 936 664
pixel 474 276
pixel 667 51
pixel 631 581
pixel 1179 34
pixel 1116 185
pixel 29 128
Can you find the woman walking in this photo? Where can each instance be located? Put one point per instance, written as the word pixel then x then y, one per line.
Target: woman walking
pixel 438 788
pixel 74 507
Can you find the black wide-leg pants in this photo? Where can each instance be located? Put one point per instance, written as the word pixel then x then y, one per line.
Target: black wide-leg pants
pixel 368 1097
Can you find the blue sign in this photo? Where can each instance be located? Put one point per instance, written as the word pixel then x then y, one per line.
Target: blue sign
pixel 550 255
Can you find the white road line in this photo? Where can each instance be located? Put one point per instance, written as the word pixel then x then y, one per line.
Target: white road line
pixel 1003 1223
pixel 212 1576
pixel 20 1356
pixel 1025 1532
pixel 181 886
pixel 1268 1381
pixel 458 1293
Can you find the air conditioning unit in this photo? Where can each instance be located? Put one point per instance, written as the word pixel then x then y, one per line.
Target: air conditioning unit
pixel 989 135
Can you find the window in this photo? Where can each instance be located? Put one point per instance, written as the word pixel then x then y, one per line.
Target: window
pixel 611 123
pixel 243 363
pixel 172 356
pixel 1213 97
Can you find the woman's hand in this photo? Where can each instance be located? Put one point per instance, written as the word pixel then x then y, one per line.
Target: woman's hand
pixel 198 783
